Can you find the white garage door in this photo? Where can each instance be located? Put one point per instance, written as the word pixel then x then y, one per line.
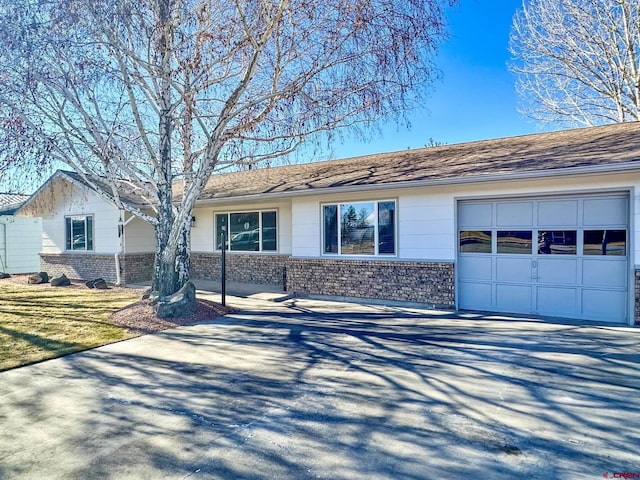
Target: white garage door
pixel 560 256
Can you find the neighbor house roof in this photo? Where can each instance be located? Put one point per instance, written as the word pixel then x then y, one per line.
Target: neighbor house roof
pixel 611 147
pixel 10 202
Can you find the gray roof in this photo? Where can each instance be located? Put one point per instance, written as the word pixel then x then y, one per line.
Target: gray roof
pixel 587 149
pixel 10 202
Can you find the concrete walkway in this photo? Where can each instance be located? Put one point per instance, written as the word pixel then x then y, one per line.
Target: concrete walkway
pixel 312 389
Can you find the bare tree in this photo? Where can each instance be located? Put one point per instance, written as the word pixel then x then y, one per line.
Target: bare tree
pixel 137 94
pixel 578 61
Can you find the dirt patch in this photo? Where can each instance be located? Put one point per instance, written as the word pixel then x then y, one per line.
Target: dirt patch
pixel 139 317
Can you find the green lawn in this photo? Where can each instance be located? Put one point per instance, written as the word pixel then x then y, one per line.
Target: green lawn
pixel 42 322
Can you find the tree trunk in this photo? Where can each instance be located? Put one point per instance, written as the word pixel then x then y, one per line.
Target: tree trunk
pixel 183 254
pixel 165 279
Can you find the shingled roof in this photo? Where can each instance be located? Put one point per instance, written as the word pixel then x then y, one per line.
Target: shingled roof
pixel 596 148
pixel 10 202
pixel 610 148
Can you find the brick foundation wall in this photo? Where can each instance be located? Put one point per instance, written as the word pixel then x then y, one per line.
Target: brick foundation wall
pixel 266 269
pixel 137 267
pixel 636 312
pixel 79 266
pixel 424 282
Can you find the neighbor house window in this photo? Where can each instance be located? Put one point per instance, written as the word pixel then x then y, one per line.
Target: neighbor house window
pixel 247 231
pixel 79 232
pixel 359 228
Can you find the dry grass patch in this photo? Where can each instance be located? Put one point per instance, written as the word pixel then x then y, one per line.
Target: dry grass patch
pixel 39 322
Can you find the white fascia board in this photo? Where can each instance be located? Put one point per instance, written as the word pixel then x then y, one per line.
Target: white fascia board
pixel 564 172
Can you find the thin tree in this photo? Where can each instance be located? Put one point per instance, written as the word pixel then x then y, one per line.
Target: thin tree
pixel 578 61
pixel 136 95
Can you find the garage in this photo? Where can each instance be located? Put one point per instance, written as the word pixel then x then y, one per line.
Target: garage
pixel 564 256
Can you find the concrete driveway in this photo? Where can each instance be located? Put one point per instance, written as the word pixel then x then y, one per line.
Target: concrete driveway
pixel 312 389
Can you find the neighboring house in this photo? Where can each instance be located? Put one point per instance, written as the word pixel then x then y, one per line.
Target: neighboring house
pixel 20 237
pixel 542 224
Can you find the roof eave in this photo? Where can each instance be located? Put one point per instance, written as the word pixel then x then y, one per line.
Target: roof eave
pixel 529 175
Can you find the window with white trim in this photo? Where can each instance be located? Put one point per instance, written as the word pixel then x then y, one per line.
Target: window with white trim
pixel 359 228
pixel 79 232
pixel 248 231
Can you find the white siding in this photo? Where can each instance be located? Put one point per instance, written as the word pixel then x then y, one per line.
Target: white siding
pixel 426 216
pixel 306 231
pixel 75 200
pixel 139 236
pixel 425 225
pixel 203 230
pixel 635 225
pixel 22 240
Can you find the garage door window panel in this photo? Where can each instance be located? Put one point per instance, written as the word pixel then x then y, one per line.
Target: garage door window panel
pixel 605 242
pixel 514 242
pixel 475 241
pixel 557 242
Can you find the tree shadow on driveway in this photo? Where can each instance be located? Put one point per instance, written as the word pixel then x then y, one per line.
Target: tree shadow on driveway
pixel 313 390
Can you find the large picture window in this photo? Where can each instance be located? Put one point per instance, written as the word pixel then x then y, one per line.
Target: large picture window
pixel 79 232
pixel 247 231
pixel 359 228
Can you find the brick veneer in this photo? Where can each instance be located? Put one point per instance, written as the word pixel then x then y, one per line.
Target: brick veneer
pixel 636 315
pixel 424 282
pixel 137 267
pixel 79 266
pixel 87 266
pixel 267 269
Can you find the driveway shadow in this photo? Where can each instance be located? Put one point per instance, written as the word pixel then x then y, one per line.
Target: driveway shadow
pixel 319 390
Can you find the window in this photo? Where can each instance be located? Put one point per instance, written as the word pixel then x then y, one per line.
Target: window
pixel 518 241
pixel 79 232
pixel 475 241
pixel 557 242
pixel 605 242
pixel 360 228
pixel 247 231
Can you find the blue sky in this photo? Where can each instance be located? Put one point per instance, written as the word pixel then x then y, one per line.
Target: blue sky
pixel 475 99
